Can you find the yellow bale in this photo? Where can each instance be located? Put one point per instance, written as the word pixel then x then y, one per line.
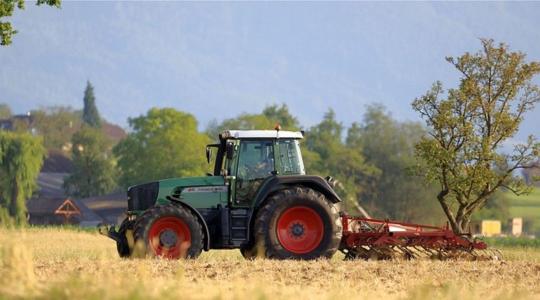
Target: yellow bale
pixel 491 227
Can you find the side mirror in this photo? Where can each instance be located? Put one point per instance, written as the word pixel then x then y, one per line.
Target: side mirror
pixel 230 150
pixel 208 154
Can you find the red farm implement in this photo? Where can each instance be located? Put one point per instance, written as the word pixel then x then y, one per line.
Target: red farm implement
pixel 365 238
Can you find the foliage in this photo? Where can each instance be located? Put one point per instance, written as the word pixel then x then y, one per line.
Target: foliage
pixel 90 112
pixel 330 156
pixel 7 7
pixel 21 158
pixel 164 143
pixel 497 208
pixel 5 111
pixel 388 145
pixel 468 126
pixel 532 174
pixel 268 119
pixel 94 171
pixel 281 115
pixel 523 242
pixel 56 124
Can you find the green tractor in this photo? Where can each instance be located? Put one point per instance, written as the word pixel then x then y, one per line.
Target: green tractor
pixel 258 199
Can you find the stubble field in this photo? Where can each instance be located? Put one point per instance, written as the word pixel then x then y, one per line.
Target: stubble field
pixel 52 263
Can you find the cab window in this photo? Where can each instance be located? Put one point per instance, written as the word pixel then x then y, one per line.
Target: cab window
pixel 290 158
pixel 255 163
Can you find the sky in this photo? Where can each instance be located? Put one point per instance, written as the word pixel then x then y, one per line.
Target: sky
pixel 216 60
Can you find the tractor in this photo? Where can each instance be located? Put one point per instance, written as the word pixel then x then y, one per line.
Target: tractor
pixel 259 199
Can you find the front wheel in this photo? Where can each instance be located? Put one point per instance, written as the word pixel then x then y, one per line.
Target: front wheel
pixel 168 231
pixel 122 244
pixel 297 223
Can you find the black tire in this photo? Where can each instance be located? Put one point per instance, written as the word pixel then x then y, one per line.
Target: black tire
pixel 266 238
pixel 122 245
pixel 248 251
pixel 155 217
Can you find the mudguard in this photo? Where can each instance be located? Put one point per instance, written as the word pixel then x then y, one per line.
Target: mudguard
pixel 274 183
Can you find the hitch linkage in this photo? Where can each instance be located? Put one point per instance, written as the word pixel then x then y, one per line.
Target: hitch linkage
pixel 109 231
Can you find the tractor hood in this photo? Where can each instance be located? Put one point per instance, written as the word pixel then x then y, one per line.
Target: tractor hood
pixel 197 192
pixel 172 186
pixel 144 196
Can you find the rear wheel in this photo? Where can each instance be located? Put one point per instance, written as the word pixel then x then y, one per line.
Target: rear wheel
pixel 297 223
pixel 168 231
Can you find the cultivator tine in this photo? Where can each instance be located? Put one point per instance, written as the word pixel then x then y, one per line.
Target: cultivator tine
pixel 440 254
pixel 498 254
pixel 421 252
pixel 408 252
pixel 487 254
pixel 427 253
pixel 357 253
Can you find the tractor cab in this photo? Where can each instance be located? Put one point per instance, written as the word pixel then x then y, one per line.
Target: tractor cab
pixel 245 158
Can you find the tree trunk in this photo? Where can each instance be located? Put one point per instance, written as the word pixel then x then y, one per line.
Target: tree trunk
pixel 463 221
pixel 13 201
pixel 449 215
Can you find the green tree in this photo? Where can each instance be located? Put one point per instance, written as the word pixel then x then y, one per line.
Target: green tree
pixel 389 146
pixel 21 158
pixel 56 124
pixel 94 172
pixel 326 154
pixel 281 115
pixel 7 8
pixel 267 120
pixel 5 111
pixel 90 112
pixel 467 128
pixel 163 143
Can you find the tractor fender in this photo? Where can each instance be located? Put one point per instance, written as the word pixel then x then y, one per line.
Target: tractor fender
pixel 198 215
pixel 276 183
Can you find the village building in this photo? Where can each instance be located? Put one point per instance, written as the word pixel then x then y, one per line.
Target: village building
pixel 51 206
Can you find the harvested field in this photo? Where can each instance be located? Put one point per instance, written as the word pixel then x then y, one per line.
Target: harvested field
pixel 52 263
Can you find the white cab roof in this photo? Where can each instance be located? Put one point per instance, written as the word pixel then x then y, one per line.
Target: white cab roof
pixel 261 134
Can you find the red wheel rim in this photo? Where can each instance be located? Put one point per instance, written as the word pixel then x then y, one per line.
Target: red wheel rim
pixel 169 237
pixel 300 229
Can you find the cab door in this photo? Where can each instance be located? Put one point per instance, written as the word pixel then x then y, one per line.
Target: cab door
pixel 255 162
